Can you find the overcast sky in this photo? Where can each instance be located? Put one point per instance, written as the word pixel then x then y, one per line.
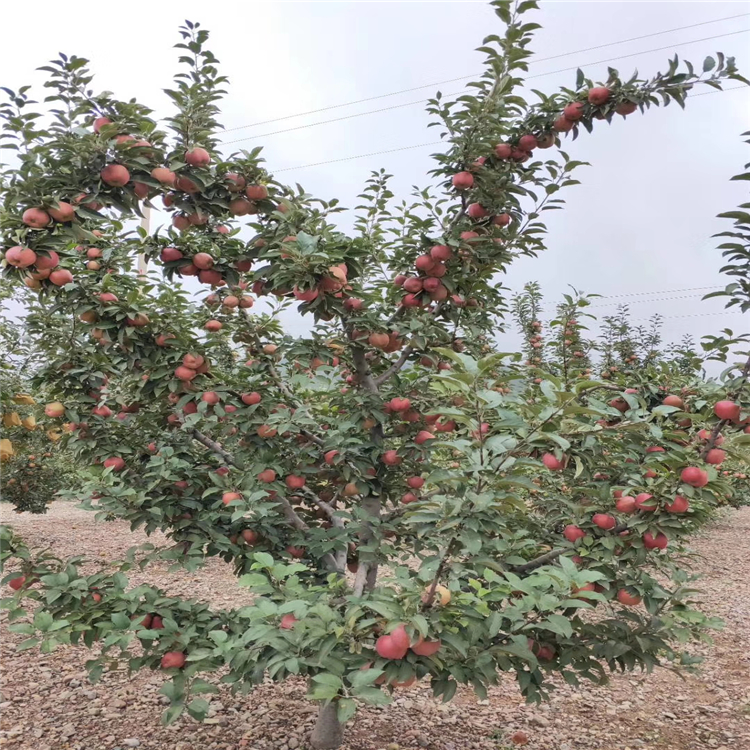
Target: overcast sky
pixel 641 221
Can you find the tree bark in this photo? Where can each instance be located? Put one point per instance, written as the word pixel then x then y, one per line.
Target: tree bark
pixel 328 733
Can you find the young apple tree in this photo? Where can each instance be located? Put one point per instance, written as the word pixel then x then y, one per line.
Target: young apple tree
pixel 372 482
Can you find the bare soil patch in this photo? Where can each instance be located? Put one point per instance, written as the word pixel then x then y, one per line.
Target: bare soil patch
pixel 48 704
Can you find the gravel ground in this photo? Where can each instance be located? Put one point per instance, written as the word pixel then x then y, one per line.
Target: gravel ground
pixel 48 704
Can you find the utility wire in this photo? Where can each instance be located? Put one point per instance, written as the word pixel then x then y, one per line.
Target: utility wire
pixel 435 143
pixel 473 75
pixel 456 93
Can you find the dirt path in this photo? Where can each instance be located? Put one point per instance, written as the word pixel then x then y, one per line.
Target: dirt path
pixel 47 703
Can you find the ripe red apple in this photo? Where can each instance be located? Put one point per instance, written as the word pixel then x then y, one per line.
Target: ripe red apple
pixel 426 648
pixel 379 340
pixel 562 125
pixel 164 176
pixel 391 458
pixel 673 401
pixel 477 211
pixel 694 476
pixel 169 254
pixel 54 410
pixel 17 583
pixel 441 253
pixel 213 326
pixel 409 497
pixel 256 192
pixel 626 505
pixel 267 476
pixel 287 622
pixel 715 456
pixel 423 436
pixel 655 449
pixel 229 497
pixel 574 111
pixel 100 122
pixel 21 257
pixel 503 150
pixel 415 482
pixel 63 212
pixel 646 502
pixel 36 218
pixel 251 398
pixel 501 220
pixel 599 95
pixel 173 660
pixel 604 521
pixel 727 410
pixel 102 411
pixel 115 463
pixel 527 142
pixel 203 261
pixel 679 505
pixel 413 285
pixel 211 398
pixel 296 552
pixel 463 180
pixel 706 435
pixel 330 457
pixel 295 482
pixel 573 533
pixel 108 297
pixel 552 463
pixel 61 277
pixel 115 175
pixel 249 536
pixel 184 373
pixel 626 108
pixel 631 600
pixel 399 404
pixel 658 541
pixel 198 157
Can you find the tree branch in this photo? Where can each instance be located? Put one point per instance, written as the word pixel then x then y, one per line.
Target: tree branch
pixel 395 367
pixel 217 448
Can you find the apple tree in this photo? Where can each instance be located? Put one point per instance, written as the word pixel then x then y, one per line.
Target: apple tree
pixel 371 482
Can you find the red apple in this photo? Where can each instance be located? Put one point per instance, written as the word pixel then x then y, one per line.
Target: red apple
pixel 295 482
pixel 63 212
pixel 173 660
pixel 599 95
pixel 115 463
pixel 288 621
pixel 230 497
pixel 673 401
pixel 21 257
pixel 426 648
pixel 552 462
pixel 604 521
pixel 36 218
pixel 267 476
pixel 679 505
pixel 624 597
pixel 715 456
pixel 477 211
pixel 415 483
pixel 197 157
pixel 574 111
pixel 573 533
pixel 115 175
pixel 646 502
pixel 694 476
pixel 61 277
pixel 251 398
pixel 727 410
pixel 658 541
pixel 463 180
pixel 626 505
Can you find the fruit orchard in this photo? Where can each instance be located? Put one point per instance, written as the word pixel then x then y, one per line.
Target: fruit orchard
pixel 404 501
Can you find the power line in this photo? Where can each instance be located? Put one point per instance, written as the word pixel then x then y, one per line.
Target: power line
pixel 663 291
pixel 456 93
pixel 473 75
pixel 434 143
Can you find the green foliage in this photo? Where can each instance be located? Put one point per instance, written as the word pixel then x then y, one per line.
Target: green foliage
pixel 392 438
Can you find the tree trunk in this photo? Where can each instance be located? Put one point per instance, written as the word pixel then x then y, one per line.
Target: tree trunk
pixel 328 733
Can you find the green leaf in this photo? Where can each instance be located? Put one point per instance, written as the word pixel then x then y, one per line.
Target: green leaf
pixel 364 677
pixel 345 710
pixel 198 708
pixel 326 678
pixel 558 624
pixel 43 621
pixel 374 696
